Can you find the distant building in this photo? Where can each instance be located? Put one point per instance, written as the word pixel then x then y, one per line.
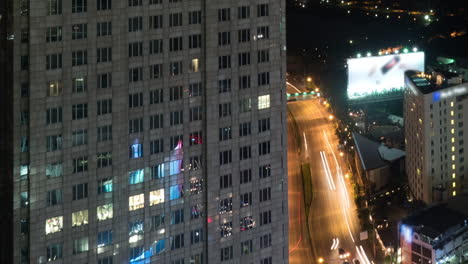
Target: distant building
pixel 437 234
pixel 435 114
pixel 375 162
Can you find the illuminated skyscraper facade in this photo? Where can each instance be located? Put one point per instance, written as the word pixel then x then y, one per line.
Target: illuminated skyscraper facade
pixel 145 131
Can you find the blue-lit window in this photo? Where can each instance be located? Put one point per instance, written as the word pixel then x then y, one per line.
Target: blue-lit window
pixel 175 167
pixel 104 186
pixel 136 253
pixel 104 238
pixel 157 171
pixel 135 177
pixel 176 192
pixel 136 151
pixel 136 227
pixel 158 246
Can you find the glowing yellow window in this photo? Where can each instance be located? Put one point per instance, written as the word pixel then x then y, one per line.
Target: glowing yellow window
pixel 453 166
pixel 453 149
pixel 453 157
pixel 452 122
pixel 451 113
pixel 454 193
pixel 454 184
pixel 453 140
pixel 451 104
pixel 452 130
pixel 454 175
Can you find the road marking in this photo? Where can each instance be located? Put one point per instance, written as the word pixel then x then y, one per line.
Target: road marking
pixel 305 140
pixel 288 83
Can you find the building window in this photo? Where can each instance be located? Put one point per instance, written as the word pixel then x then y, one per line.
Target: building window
pixel 263 32
pixel 156 146
pixel 243 12
pixel 54 252
pixel 105 260
pixel 155 2
pixel 225 157
pixel 156 71
pixel 135 49
pixel 135 125
pixel 196 236
pixel 196 186
pixel 263 56
pixel 243 59
pixel 245 105
pixel 243 35
pixel 264 101
pixel 247 223
pixel 80 137
pixel 136 202
pixel 104 186
pixel 263 125
pixel 224 109
pixel 195 113
pixel 265 194
pixel 158 246
pixel 176 118
pixel 79 31
pixel 224 62
pixel 54 34
pixel 80 164
pixel 245 129
pixel 104 133
pixel 195 89
pixel 195 162
pixel 224 86
pixel 54 224
pixel 265 241
pixel 104 54
pixel 104 5
pixel 175 20
pixel 104 238
pixel 225 133
pixel 262 10
pixel 177 241
pixel 105 212
pixel 104 28
pixel 175 44
pixel 225 181
pixel 244 82
pixel 195 41
pixel 264 171
pixel 175 68
pixel 264 148
pixel 196 211
pixel 80 245
pixel 79 6
pixel 194 17
pixel 79 85
pixel 136 229
pixel 246 247
pixel 176 192
pixel 54 143
pixel 79 111
pixel 135 24
pixel 135 3
pixel 80 191
pixel 156 197
pixel 54 197
pixel 156 22
pixel 79 57
pixel 195 65
pixel 79 218
pixel 156 46
pixel 157 221
pixel 245 199
pixel 225 206
pixel 265 218
pixel 177 216
pixel 24 199
pixel 268 260
pixel 156 121
pixel 54 170
pixel 54 115
pixel 245 153
pixel 54 61
pixel 135 100
pixel 25 63
pixel 224 38
pixel 263 78
pixel 226 229
pixel 175 93
pixel 136 253
pixel 136 176
pixel 54 7
pixel 104 80
pixel 245 176
pixel 226 253
pixel 104 107
pixel 224 14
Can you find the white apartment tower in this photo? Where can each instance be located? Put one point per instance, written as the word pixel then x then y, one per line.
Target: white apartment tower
pixel 435 114
pixel 143 131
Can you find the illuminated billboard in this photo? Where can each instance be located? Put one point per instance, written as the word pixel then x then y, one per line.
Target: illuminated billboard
pixel 369 76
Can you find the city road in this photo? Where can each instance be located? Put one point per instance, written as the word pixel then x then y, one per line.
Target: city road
pixel 332 220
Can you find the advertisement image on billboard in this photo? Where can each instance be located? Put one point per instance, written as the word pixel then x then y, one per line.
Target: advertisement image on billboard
pixel 369 76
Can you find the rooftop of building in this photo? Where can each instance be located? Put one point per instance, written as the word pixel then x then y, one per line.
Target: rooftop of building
pixel 428 83
pixel 436 219
pixel 374 155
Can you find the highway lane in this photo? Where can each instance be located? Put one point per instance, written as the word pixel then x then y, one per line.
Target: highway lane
pixel 333 221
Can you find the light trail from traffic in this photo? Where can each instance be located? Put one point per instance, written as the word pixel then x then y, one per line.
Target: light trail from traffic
pixel 327 171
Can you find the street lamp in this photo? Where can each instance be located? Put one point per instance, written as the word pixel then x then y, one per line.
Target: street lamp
pixel 320 260
pixel 309 79
pixel 331 117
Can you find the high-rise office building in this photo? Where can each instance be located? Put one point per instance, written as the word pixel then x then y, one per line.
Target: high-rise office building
pixel 143 131
pixel 435 112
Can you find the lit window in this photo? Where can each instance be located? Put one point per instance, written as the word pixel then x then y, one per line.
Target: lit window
pixel 247 223
pixel 136 151
pixel 80 245
pixel 158 246
pixel 104 186
pixel 105 212
pixel 136 176
pixel 80 218
pixel 136 202
pixel 24 170
pixel 452 122
pixel 453 149
pixel 451 113
pixel 226 229
pixel 136 231
pixel 454 193
pixel 156 197
pixel 453 157
pixel 452 130
pixel 454 175
pixel 104 238
pixel 196 186
pixel 453 140
pixel 264 101
pixel 176 192
pixel 454 184
pixel 175 167
pixel 194 66
pixel 54 224
pixel 453 166
pixel 451 104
